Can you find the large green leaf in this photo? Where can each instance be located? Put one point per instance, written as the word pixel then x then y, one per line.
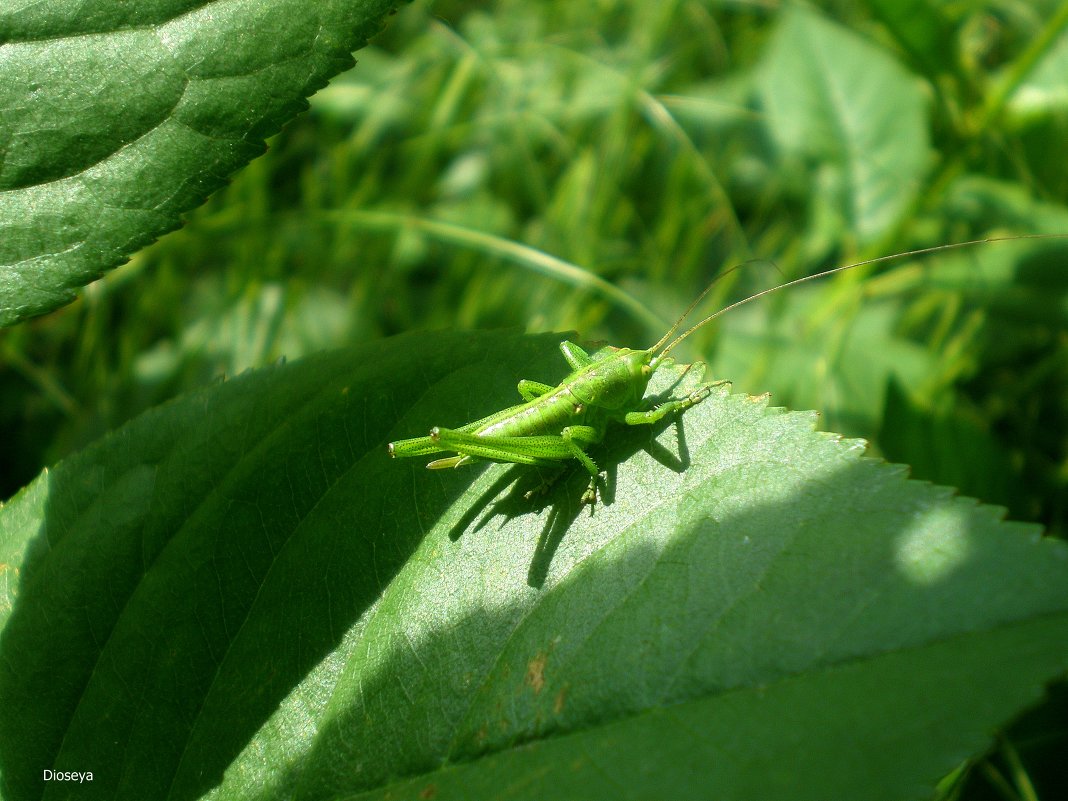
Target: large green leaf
pixel 239 595
pixel 843 103
pixel 117 117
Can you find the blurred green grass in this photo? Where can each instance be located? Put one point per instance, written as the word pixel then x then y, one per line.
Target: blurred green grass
pixel 632 143
pixel 590 167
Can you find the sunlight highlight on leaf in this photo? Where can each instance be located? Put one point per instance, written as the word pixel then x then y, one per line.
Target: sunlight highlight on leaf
pixel 934 545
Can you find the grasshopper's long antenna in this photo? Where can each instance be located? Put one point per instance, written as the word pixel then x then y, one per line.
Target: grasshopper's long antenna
pixel 675 325
pixel 904 255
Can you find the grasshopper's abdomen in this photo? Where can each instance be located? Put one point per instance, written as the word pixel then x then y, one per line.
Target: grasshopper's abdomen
pixel 545 415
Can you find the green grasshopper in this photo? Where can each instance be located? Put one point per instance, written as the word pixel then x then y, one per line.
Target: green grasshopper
pixel 555 424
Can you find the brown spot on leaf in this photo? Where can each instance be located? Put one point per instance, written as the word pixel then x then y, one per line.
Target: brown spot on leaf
pixel 428 792
pixel 536 672
pixel 558 702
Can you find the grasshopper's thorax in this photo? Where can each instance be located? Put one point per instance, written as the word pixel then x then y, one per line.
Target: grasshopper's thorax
pixel 614 382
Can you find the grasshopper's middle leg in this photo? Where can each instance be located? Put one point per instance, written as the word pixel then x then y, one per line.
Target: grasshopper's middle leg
pixel 533 389
pixel 575 356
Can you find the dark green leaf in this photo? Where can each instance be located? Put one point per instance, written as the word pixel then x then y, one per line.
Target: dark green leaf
pixel 922 30
pixel 117 117
pixel 951 447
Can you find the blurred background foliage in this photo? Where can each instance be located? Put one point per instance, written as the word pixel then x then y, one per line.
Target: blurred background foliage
pixel 591 167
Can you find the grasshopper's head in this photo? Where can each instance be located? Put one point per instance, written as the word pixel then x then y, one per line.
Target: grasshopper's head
pixel 641 364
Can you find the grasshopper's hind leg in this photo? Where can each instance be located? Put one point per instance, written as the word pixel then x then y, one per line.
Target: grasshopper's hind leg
pixel 542 450
pixel 423 446
pixel 575 437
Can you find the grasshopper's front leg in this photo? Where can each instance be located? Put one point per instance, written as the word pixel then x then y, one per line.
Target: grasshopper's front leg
pixel 669 407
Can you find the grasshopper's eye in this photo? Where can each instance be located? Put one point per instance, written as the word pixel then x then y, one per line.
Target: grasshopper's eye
pixel 646 370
